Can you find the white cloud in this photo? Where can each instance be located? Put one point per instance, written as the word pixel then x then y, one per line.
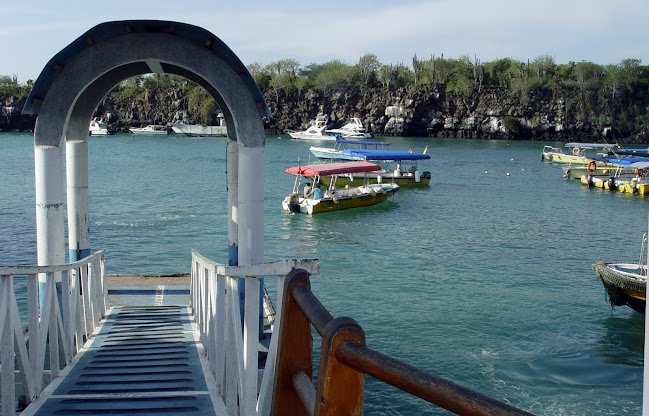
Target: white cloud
pixel 599 31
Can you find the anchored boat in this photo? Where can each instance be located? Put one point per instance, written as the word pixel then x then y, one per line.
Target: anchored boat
pixel 334 198
pixel 403 177
pixel 352 130
pixel 343 148
pixel 151 129
pixel 197 130
pixel 98 127
pixel 629 178
pixel 626 283
pixel 315 131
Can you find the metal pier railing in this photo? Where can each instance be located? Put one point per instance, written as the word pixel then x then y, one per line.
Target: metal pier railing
pixel 201 358
pixel 57 326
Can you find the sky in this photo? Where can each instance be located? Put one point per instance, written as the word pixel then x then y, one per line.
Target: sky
pixel 600 31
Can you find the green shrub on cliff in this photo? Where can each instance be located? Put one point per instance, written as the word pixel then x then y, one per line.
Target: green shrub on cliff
pixel 511 124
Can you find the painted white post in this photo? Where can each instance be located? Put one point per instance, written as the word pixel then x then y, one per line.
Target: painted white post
pixel 50 237
pixel 76 170
pixel 251 251
pixel 233 198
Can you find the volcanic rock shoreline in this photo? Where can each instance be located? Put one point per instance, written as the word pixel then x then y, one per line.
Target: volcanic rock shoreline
pixel 413 111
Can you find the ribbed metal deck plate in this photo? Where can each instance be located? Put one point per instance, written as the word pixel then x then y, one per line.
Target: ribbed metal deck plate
pixel 143 362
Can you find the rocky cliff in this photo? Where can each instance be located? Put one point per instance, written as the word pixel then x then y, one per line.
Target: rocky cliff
pixel 493 113
pixel 420 111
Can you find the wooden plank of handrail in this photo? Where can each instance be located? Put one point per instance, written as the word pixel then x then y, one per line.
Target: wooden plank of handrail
pixel 433 389
pixel 315 312
pixel 295 349
pixel 340 387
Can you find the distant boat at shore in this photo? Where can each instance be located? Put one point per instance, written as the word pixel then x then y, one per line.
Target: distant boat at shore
pixel 196 130
pixel 315 130
pixel 99 128
pixel 151 129
pixel 352 130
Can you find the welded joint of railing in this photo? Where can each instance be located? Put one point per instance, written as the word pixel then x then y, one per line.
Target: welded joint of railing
pixel 343 345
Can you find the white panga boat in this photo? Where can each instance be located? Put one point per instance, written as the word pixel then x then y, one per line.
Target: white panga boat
pixel 99 128
pixel 196 130
pixel 151 129
pixel 352 130
pixel 627 177
pixel 411 176
pixel 315 131
pixel 338 151
pixel 334 198
pixel 626 283
pixel 580 153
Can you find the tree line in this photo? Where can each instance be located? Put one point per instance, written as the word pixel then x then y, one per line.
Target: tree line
pixel 463 77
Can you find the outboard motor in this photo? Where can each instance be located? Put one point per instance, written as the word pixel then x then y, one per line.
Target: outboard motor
pixel 611 184
pixel 589 180
pixel 294 202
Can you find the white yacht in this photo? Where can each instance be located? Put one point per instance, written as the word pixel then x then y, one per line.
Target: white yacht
pixel 315 131
pixel 98 128
pixel 352 130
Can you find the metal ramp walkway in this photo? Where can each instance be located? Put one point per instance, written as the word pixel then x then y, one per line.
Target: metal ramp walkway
pixel 143 361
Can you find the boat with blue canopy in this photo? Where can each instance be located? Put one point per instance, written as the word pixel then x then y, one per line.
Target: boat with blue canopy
pixel 338 152
pixel 386 155
pixel 411 176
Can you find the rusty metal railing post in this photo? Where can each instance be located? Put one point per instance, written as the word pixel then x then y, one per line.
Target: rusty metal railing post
pixel 340 387
pixel 295 348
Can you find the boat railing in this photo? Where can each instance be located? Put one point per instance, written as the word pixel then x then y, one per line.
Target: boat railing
pixel 64 305
pixel 232 348
pixel 344 361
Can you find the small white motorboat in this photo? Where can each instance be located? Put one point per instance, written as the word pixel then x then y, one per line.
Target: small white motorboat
pixel 151 129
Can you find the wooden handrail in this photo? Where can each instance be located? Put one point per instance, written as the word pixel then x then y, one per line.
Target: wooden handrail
pixel 344 360
pixel 433 389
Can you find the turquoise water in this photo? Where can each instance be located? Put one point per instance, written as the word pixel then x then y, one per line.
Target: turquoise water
pixel 481 278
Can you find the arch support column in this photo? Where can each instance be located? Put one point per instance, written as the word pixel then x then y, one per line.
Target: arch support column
pixel 251 251
pixel 50 237
pixel 76 164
